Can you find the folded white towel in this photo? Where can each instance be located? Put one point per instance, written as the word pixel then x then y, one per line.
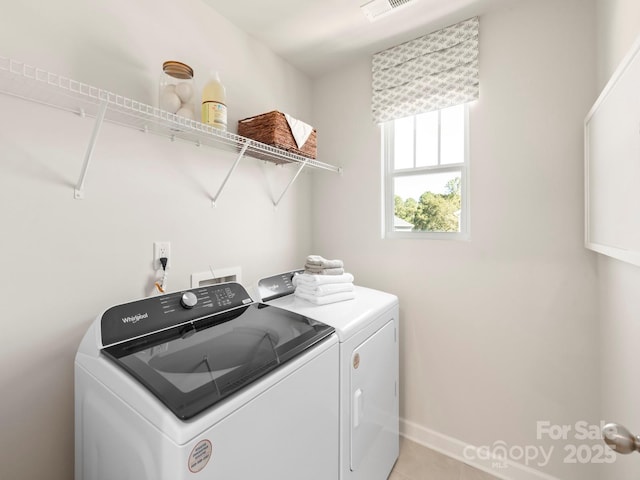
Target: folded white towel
pixel 299 130
pixel 322 290
pixel 323 271
pixel 333 298
pixel 315 280
pixel 318 261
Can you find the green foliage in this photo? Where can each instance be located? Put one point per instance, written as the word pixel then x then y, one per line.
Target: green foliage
pixel 435 212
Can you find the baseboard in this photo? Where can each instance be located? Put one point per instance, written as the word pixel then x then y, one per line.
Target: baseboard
pixel 503 469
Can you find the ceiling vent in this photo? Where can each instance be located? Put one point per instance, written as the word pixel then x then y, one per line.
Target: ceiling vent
pixel 377 8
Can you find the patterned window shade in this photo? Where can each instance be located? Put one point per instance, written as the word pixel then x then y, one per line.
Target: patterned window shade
pixel 435 71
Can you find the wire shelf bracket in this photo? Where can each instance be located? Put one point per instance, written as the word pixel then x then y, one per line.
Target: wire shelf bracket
pixel 78 192
pixel 295 177
pixel 233 168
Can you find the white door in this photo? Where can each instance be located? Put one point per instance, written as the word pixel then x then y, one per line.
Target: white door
pixel 373 391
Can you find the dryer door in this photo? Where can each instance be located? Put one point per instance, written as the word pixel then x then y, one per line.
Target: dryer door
pixel 373 391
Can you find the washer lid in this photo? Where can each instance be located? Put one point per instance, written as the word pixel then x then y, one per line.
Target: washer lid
pixel 191 367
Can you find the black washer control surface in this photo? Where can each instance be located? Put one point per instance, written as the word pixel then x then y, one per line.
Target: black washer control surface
pixel 135 319
pixel 277 286
pixel 191 358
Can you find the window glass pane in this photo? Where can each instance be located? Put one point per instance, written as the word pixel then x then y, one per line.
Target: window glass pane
pixel 452 135
pixel 428 203
pixel 427 139
pixel 403 143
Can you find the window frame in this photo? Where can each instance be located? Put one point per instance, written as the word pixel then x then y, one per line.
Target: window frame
pixel 389 175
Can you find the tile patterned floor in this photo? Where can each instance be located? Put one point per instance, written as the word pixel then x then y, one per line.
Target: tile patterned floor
pixel 421 463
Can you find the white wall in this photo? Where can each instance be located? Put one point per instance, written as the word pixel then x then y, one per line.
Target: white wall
pixel 617 28
pixel 501 331
pixel 618 282
pixel 64 260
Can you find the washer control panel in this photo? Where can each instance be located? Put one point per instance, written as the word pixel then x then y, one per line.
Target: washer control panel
pixel 139 318
pixel 277 286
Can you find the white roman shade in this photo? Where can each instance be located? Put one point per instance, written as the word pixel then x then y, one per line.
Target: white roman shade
pixel 435 71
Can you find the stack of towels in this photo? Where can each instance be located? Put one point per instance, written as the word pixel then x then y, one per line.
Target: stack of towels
pixel 324 281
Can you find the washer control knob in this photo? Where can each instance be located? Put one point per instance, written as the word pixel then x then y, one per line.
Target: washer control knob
pixel 188 300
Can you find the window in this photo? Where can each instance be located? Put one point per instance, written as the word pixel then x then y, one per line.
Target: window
pixel 426 175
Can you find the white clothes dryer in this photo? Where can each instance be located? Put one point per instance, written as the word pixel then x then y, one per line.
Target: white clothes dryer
pixel 367 328
pixel 206 384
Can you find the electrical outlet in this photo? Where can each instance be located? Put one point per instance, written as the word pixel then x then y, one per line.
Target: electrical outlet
pixel 161 250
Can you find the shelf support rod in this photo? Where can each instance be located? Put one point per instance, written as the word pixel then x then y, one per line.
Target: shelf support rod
pixel 277 202
pixel 79 190
pixel 233 168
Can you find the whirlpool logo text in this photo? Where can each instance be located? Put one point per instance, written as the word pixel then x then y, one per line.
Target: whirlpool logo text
pixel 135 318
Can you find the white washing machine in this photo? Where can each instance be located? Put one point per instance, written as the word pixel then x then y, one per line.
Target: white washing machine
pixel 367 328
pixel 206 384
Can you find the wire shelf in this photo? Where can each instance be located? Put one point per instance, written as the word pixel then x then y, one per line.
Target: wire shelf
pixel 20 80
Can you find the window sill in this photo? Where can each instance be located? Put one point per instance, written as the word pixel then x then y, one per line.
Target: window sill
pixel 461 236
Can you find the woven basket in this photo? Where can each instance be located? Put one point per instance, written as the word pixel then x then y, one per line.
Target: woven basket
pixel 273 129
